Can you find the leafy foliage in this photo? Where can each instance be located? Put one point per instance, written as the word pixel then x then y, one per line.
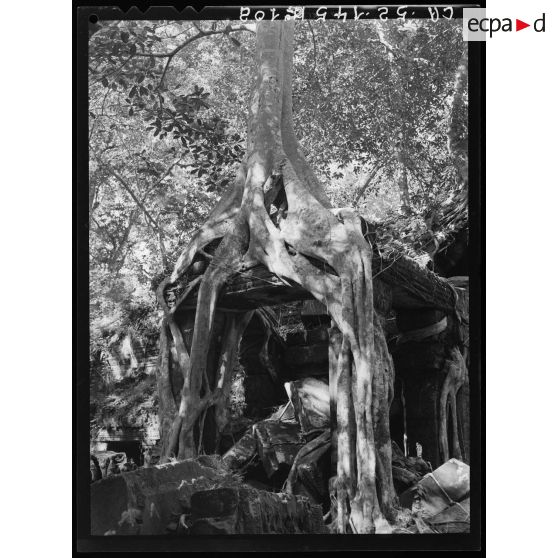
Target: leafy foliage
pixel 383 91
pixel 167 110
pixel 129 403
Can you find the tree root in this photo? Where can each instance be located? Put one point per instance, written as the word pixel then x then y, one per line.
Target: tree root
pixel 456 376
pixel 308 231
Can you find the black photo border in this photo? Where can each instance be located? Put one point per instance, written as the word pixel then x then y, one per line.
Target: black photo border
pixel 472 543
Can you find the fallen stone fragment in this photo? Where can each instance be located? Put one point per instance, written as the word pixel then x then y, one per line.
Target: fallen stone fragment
pixel 242 452
pixel 455 519
pixel 422 527
pixel 252 442
pixel 285 413
pixel 95 468
pixel 278 443
pixel 312 474
pixel 438 490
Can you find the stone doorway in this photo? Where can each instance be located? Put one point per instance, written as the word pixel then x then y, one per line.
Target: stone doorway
pixel 132 449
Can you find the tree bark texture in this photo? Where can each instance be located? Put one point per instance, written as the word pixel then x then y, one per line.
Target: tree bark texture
pixel 456 376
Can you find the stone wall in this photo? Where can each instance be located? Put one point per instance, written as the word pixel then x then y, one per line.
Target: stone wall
pixel 229 511
pixel 194 497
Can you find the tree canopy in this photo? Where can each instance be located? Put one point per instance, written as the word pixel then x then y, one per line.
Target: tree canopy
pixel 378 107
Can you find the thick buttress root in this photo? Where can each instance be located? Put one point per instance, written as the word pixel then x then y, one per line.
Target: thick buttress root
pixel 456 377
pixel 316 247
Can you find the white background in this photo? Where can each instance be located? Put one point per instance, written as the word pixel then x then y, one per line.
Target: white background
pixel 36 273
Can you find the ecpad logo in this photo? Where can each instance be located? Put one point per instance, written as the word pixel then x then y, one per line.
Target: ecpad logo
pixel 476 25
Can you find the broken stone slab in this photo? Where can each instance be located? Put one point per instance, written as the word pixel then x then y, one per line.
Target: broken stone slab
pixel 250 444
pixel 109 462
pixel 242 452
pixel 278 443
pixel 422 527
pixel 438 490
pixel 109 500
pixel 220 502
pixel 233 431
pixel 455 519
pixel 310 399
pixel 95 469
pixel 277 447
pixel 165 508
pixel 284 413
pixel 232 511
pixel 154 494
pixel 312 474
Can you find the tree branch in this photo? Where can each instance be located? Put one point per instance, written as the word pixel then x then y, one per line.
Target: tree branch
pixel 114 71
pixel 117 259
pixel 170 55
pixel 365 186
pixel 199 35
pixel 164 72
pixel 393 53
pixel 167 172
pixel 130 192
pixel 315 50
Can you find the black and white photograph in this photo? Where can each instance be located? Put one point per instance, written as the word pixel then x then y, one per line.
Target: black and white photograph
pixel 283 264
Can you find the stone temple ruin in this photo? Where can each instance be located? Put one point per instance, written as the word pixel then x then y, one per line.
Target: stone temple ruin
pixel 279 450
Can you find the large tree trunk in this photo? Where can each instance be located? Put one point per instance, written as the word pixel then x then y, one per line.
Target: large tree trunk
pixel 277 214
pixel 167 404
